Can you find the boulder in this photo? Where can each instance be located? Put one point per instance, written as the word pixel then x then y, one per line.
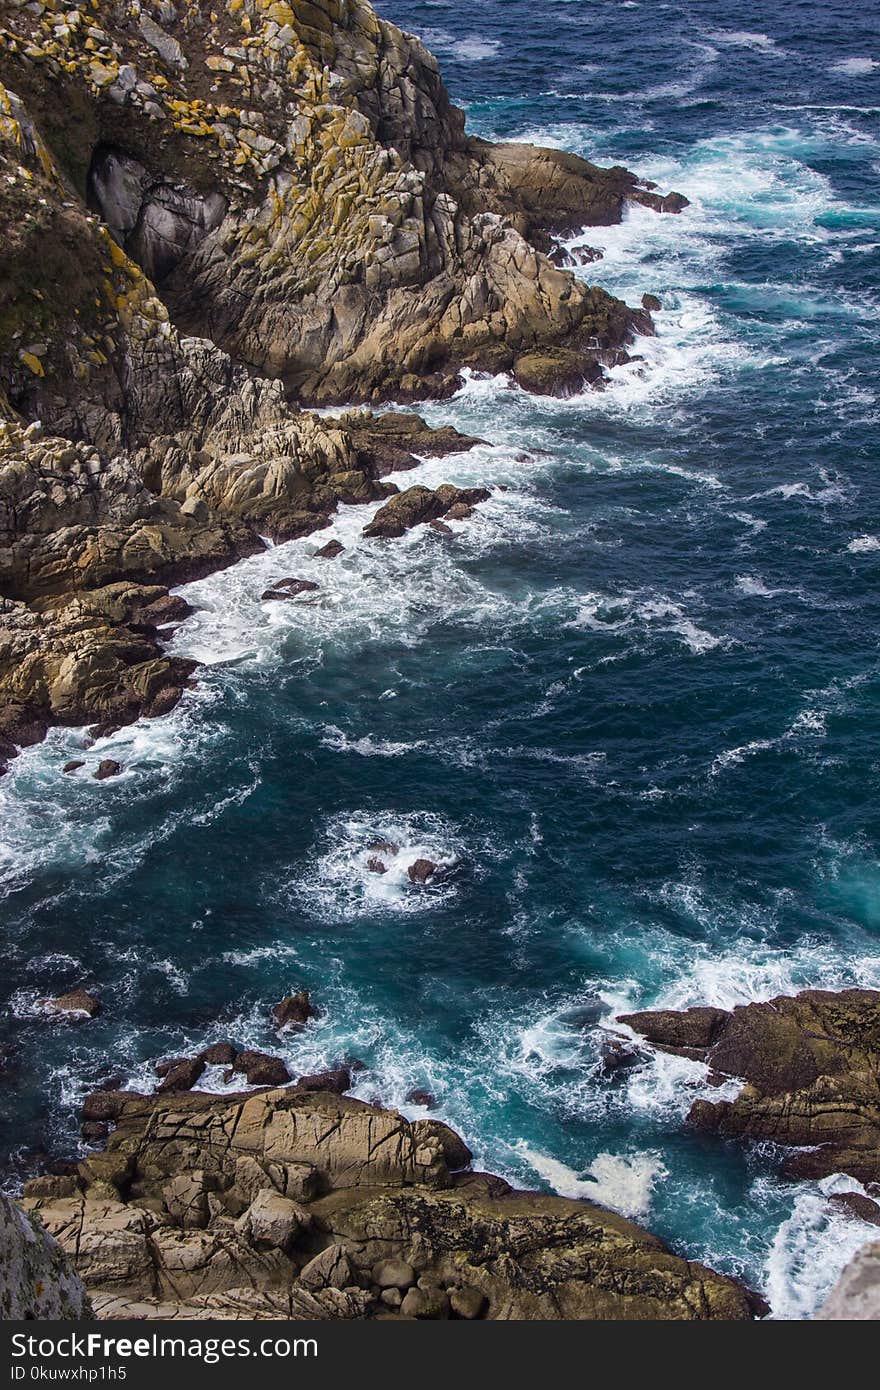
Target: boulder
pixel 467 1303
pixel 557 372
pixel 181 1074
pixel 419 505
pixel 262 1070
pixel 421 871
pixel 376 866
pixel 273 1222
pixel 73 1007
pixel 651 303
pixel 73 766
pixel 294 1012
pixel 337 1081
pixel 429 1303
pixel 330 550
pixel 108 767
pixel 393 1274
pixel 329 1270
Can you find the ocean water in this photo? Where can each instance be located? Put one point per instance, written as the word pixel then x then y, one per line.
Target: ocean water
pixel 631 707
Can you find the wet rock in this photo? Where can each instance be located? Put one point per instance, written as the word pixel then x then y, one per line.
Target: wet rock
pixel 260 1069
pixel 337 1081
pixel 330 550
pixel 384 847
pixel 859 1207
pixel 93 1132
pixel 294 1012
pixel 422 871
pixel 558 372
pixel 73 766
pixel 108 767
pixel 619 1053
pixel 419 505
pixel 689 1033
pixel 651 303
pixel 811 1064
pixel 76 1005
pixel 181 1073
pixel 376 866
pixel 424 1099
pixel 104 1105
pixel 221 1054
pixel 288 589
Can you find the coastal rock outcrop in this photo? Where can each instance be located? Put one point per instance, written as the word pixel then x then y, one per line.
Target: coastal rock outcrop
pixel 37 1278
pixel 209 214
pixel 285 1203
pixel 811 1068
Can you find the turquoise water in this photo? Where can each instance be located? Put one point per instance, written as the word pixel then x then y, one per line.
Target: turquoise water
pixel 632 707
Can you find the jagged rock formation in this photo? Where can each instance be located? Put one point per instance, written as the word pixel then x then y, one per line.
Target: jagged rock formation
pixel 37 1279
pixel 189 195
pixel 856 1295
pixel 290 1203
pixel 811 1067
pixel 296 179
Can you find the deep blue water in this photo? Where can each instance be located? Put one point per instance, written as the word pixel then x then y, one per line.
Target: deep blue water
pixel 633 706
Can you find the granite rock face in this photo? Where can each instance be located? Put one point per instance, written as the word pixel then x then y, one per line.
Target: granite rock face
pixel 811 1068
pixel 200 1207
pixel 37 1279
pixel 210 215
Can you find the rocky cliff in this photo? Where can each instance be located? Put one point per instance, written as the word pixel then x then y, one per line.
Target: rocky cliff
pixel 209 215
pixel 297 1203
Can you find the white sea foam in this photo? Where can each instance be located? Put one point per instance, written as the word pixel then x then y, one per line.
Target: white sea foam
pixel 341 885
pixel 812 1248
pixel 855 67
pixel 645 612
pixel 863 545
pixel 623 1182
